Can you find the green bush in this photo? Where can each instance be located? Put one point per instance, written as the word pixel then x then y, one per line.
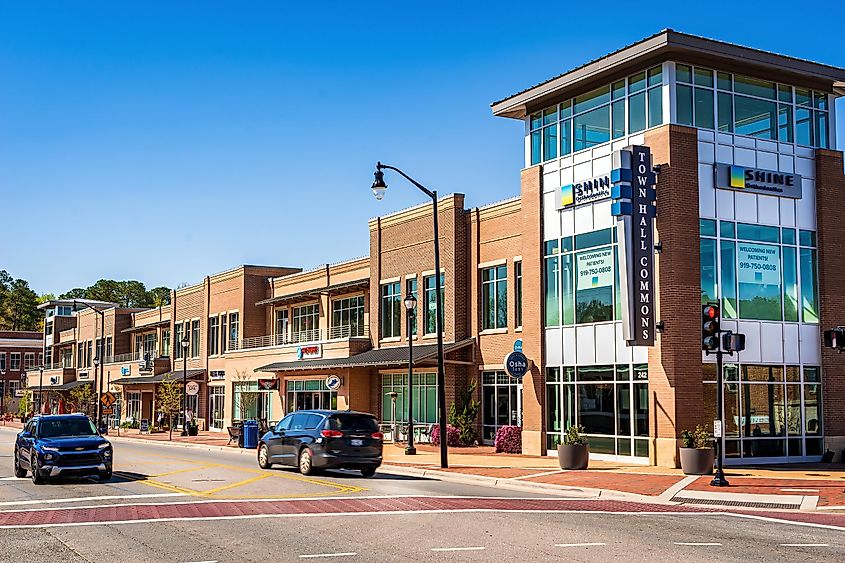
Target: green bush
pixel 463 412
pixel 699 438
pixel 574 436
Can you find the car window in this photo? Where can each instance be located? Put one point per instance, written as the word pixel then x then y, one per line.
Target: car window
pixel 285 423
pixel 298 422
pixel 66 427
pixel 353 423
pixel 313 421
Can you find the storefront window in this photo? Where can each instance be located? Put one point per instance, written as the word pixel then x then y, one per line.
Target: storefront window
pixel 500 403
pixel 425 397
pixel 251 402
pixel 611 402
pixel 307 394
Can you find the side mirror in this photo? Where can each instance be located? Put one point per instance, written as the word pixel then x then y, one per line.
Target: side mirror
pixel 26 434
pixel 279 432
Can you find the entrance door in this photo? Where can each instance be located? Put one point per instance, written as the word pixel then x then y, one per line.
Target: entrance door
pixel 501 398
pixel 216 405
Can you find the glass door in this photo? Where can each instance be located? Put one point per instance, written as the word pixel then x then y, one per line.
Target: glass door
pixel 216 405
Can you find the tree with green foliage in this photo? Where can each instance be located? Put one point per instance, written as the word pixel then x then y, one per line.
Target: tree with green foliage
pixel 80 398
pixel 18 304
pixel 75 293
pixel 159 296
pixel 169 399
pixel 463 412
pixel 129 293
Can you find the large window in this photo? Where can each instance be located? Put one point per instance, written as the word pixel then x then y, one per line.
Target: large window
pixel 430 289
pixel 282 326
pixel 581 281
pixel 179 329
pixel 195 338
pixel 626 106
pixel 734 103
pixel 425 397
pixel 411 289
pixel 165 342
pixel 767 273
pixel 29 360
pixel 234 330
pixel 770 411
pixel 252 402
pixel 348 317
pixel 494 297
pixel 609 401
pixel 307 394
pixel 306 323
pixel 213 335
pixel 391 310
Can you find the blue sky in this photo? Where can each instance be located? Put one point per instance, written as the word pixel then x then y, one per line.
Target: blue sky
pixel 163 141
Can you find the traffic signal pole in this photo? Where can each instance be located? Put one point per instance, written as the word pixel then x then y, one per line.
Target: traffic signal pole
pixel 719 479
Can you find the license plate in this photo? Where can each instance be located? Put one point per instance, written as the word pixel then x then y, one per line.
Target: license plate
pixel 355 442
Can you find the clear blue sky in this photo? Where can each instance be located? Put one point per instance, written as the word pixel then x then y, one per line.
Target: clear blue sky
pixel 162 141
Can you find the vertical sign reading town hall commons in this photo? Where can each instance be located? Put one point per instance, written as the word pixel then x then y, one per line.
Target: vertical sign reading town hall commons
pixel 633 194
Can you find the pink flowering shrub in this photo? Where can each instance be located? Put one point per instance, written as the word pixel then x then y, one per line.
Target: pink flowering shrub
pixel 508 440
pixel 453 436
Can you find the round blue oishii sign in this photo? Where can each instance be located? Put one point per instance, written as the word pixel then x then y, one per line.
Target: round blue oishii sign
pixel 333 382
pixel 516 364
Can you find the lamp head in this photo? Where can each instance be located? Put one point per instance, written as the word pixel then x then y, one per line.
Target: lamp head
pixel 410 302
pixel 96 361
pixel 379 187
pixel 185 342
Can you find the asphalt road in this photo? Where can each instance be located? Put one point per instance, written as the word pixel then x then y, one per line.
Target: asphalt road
pixel 179 504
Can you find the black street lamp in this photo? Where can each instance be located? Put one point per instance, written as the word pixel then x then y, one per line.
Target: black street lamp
pixel 184 343
pixel 100 382
pixel 40 386
pixel 410 303
pixel 3 384
pixel 379 188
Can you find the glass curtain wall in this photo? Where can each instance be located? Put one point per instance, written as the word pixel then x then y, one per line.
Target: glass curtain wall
pixel 425 397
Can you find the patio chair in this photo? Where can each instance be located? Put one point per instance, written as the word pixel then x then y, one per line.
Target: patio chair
pixel 234 433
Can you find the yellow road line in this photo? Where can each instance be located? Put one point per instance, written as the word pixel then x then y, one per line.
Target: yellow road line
pixel 185 470
pixel 233 485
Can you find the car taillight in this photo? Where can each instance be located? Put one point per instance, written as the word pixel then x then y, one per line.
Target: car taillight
pixel 331 434
pixel 377 436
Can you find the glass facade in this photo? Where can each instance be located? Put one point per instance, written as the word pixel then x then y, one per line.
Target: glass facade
pixel 306 394
pixel 624 107
pixel 764 272
pixel 609 401
pixel 733 103
pixel 425 397
pixel 770 411
pixel 580 279
pixel 348 317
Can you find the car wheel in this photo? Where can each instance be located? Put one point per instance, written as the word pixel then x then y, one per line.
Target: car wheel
pixel 37 478
pixel 20 472
pixel 368 471
pixel 105 475
pixel 306 463
pixel 264 457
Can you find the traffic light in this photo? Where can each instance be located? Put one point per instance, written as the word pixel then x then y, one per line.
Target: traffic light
pixel 710 316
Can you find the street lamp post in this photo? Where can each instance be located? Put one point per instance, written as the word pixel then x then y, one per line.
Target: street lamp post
pixel 410 303
pixel 100 394
pixel 185 343
pixel 379 187
pixel 101 363
pixel 40 386
pixel 3 393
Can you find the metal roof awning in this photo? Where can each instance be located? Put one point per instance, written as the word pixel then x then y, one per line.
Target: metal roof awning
pixel 308 293
pixel 146 327
pixel 176 375
pixel 379 357
pixel 63 387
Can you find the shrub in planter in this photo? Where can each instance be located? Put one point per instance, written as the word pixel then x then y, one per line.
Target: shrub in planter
pixel 508 440
pixel 574 452
pixel 696 452
pixel 453 436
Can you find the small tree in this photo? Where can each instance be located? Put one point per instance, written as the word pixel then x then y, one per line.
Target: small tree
pixel 79 398
pixel 463 412
pixel 170 399
pixel 23 404
pixel 246 398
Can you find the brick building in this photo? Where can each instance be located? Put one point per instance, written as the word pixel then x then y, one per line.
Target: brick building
pixel 749 191
pixel 747 195
pixel 19 351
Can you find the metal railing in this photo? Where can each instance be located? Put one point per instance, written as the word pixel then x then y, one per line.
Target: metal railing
pixel 347 331
pixel 269 340
pixel 136 356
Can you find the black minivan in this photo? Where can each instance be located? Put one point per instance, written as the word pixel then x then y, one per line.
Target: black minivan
pixel 319 439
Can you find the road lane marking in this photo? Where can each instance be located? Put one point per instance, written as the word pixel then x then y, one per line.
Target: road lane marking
pixel 475 548
pixel 805 545
pixel 236 484
pixel 584 544
pixel 347 554
pixel 84 499
pixel 710 544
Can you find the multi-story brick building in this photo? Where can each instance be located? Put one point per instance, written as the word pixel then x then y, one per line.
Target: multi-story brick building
pixel 747 194
pixel 19 351
pixel 544 268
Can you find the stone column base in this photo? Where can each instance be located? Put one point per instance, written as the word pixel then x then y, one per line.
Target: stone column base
pixel 533 442
pixel 663 452
pixel 833 443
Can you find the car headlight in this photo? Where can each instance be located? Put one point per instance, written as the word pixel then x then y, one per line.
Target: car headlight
pixel 49 449
pixel 104 445
pixel 48 456
pixel 107 453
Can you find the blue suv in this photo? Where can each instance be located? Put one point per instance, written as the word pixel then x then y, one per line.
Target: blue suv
pixel 62 445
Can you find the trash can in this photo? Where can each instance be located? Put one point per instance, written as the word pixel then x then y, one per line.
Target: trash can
pixel 250 433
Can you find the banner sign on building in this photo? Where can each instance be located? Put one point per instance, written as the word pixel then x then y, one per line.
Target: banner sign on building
pixel 584 192
pixel 634 196
pixel 758 264
pixel 758 181
pixel 595 269
pixel 309 352
pixel 269 384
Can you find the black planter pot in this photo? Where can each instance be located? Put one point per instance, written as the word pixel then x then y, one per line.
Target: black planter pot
pixel 193 430
pixel 576 456
pixel 696 461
